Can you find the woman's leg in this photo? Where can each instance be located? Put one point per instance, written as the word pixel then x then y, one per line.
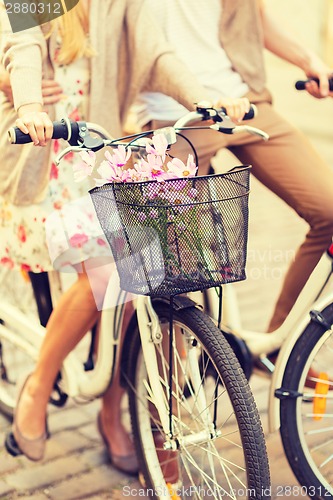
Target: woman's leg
pixel 73 316
pixel 120 443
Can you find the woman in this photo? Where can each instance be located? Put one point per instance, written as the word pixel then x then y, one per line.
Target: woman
pixel 117 51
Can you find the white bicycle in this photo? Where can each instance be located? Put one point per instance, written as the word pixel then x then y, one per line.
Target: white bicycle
pixel 188 396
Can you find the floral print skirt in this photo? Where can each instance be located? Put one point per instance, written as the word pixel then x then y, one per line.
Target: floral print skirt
pixel 58 233
pixel 62 230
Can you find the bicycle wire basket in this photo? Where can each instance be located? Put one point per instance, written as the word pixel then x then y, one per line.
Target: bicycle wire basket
pixel 176 236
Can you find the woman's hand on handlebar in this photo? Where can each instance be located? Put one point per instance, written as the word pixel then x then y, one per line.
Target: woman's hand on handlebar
pixel 34 121
pixel 235 108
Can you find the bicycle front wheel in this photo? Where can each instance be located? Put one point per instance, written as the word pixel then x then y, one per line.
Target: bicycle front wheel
pixel 217 447
pixel 307 414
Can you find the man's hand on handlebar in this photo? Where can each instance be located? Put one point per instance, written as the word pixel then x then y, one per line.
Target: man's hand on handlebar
pixel 318 74
pixel 235 108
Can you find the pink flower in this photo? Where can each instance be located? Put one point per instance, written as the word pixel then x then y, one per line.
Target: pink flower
pixel 153 190
pixel 110 173
pixel 159 146
pixel 120 156
pixel 85 168
pixel 111 169
pixel 150 169
pixel 78 240
pixel 132 175
pixel 181 226
pixel 181 201
pixel 179 169
pixel 178 184
pixel 142 216
pixel 153 214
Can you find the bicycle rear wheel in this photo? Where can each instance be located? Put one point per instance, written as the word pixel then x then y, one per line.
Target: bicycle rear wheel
pixel 307 415
pixel 225 460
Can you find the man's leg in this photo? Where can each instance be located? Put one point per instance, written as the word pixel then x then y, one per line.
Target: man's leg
pixel 290 167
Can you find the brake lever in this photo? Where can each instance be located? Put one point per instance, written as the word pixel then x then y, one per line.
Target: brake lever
pixel 251 130
pixel 232 128
pixel 70 149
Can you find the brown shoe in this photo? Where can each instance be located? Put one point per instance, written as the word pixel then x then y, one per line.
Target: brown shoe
pixel 16 443
pixel 127 464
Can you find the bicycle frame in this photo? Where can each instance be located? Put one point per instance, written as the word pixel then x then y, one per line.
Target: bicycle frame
pixel 285 337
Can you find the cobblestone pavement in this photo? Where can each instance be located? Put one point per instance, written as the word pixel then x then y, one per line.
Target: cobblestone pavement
pixel 76 464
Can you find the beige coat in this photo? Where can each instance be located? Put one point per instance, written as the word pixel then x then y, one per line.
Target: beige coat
pixel 131 55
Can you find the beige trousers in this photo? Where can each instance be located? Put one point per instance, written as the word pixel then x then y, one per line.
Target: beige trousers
pixel 290 167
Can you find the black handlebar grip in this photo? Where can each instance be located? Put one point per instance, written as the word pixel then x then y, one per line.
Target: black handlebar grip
pixel 61 130
pixel 252 113
pixel 300 84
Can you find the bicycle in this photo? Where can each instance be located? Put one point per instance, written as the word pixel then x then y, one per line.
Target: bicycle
pixel 300 404
pixel 188 396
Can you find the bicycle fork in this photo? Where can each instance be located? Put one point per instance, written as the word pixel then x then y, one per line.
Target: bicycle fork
pixel 151 334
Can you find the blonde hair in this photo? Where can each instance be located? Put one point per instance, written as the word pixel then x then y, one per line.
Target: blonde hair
pixel 73 27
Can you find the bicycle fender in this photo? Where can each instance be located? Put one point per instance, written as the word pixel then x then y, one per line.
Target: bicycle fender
pixel 179 302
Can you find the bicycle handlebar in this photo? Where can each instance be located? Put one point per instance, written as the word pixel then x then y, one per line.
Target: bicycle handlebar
pixel 78 132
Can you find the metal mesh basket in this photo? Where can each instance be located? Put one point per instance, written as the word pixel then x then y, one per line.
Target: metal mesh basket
pixel 179 235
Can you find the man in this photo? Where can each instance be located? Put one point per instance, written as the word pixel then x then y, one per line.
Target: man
pixel 222 41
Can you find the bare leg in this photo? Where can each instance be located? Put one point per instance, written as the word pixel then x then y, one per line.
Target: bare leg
pixel 74 315
pixel 120 442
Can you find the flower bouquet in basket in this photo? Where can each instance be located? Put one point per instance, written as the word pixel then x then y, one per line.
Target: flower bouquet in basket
pixel 169 230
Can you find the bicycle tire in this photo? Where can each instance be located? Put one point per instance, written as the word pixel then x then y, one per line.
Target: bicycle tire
pixel 244 464
pixel 302 427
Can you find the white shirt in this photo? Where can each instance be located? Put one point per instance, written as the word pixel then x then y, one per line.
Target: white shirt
pixel 192 28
